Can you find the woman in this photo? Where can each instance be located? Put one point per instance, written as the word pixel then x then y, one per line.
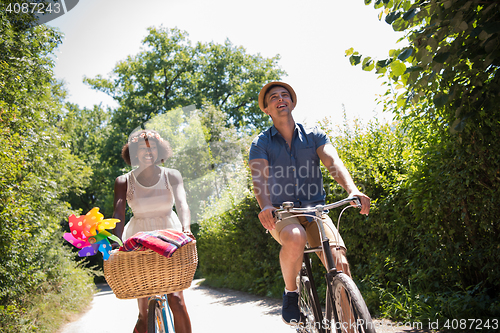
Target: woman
pixel 150 191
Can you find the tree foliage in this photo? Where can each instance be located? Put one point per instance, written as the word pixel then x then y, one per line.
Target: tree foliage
pixel 447 73
pixel 86 132
pixel 37 169
pixel 444 87
pixel 170 73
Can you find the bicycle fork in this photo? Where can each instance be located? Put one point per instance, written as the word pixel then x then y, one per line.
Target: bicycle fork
pixel 329 306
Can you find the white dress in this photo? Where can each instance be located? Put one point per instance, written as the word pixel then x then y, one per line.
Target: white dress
pixel 151 206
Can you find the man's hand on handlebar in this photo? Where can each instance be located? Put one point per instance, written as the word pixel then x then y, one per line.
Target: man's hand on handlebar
pixel 365 202
pixel 266 217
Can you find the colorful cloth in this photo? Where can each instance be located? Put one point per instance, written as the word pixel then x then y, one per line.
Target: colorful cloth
pixel 164 242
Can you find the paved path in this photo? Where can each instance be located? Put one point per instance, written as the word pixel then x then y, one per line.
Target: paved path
pixel 211 311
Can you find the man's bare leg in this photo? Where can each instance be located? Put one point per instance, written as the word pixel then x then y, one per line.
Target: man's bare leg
pixel 339 258
pixel 293 240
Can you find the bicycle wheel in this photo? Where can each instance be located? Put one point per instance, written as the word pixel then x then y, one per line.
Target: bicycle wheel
pixel 156 317
pixel 310 322
pixel 350 313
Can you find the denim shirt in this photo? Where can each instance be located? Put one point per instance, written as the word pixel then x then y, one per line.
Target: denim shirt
pixel 294 173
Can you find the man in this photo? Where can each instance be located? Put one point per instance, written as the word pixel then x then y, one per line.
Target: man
pixel 285 165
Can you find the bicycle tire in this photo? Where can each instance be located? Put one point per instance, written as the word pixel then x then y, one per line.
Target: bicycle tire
pixel 156 322
pixel 350 313
pixel 310 322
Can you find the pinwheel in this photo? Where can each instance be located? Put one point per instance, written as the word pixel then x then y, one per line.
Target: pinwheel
pixel 89 233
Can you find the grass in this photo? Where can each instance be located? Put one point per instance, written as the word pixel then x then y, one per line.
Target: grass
pixel 54 303
pixel 52 310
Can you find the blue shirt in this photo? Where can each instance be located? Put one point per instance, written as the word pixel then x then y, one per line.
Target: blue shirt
pixel 294 173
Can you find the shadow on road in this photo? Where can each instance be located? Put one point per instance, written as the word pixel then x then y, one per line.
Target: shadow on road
pixel 103 289
pixel 209 307
pixel 229 297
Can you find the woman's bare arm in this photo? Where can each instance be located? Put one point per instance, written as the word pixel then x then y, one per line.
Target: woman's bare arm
pixel 181 205
pixel 120 204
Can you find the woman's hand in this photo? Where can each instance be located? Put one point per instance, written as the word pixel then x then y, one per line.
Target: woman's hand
pixel 115 246
pixel 188 232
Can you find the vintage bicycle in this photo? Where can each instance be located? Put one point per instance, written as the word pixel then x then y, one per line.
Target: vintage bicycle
pixel 345 309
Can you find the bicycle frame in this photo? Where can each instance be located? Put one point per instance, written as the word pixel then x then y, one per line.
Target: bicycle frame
pixel 168 324
pixel 317 313
pixel 328 255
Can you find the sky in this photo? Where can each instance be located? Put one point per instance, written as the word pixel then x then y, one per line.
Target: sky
pixel 310 36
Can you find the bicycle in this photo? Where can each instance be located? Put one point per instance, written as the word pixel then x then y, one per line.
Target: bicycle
pixel 346 310
pixel 160 319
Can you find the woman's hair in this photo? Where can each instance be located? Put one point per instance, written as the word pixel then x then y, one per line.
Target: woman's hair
pixel 163 146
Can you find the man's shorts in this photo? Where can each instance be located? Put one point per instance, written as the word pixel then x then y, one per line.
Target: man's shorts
pixel 311 229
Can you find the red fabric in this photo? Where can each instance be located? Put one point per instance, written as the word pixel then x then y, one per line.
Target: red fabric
pixel 164 242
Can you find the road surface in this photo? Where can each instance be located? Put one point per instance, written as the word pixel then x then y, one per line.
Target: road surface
pixel 211 310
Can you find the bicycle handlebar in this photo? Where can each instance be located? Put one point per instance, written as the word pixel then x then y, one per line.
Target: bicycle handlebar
pixel 287 207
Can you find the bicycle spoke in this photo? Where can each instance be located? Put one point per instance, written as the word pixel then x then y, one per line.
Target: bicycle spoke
pixel 345 314
pixel 157 318
pixel 307 312
pixel 350 313
pixel 309 322
pixel 160 324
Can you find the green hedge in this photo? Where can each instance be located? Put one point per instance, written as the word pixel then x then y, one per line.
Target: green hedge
pixel 235 252
pixel 39 283
pixel 419 255
pixel 45 295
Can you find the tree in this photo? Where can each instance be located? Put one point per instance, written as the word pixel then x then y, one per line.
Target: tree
pixel 448 72
pixel 170 73
pixel 231 79
pixel 86 132
pixel 37 169
pixel 444 85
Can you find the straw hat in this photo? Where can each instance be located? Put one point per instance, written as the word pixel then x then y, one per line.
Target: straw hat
pixel 264 90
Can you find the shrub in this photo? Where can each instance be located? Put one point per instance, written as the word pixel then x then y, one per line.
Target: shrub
pixel 235 251
pixel 428 250
pixel 59 289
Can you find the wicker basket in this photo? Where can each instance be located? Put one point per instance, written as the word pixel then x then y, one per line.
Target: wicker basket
pixel 138 274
